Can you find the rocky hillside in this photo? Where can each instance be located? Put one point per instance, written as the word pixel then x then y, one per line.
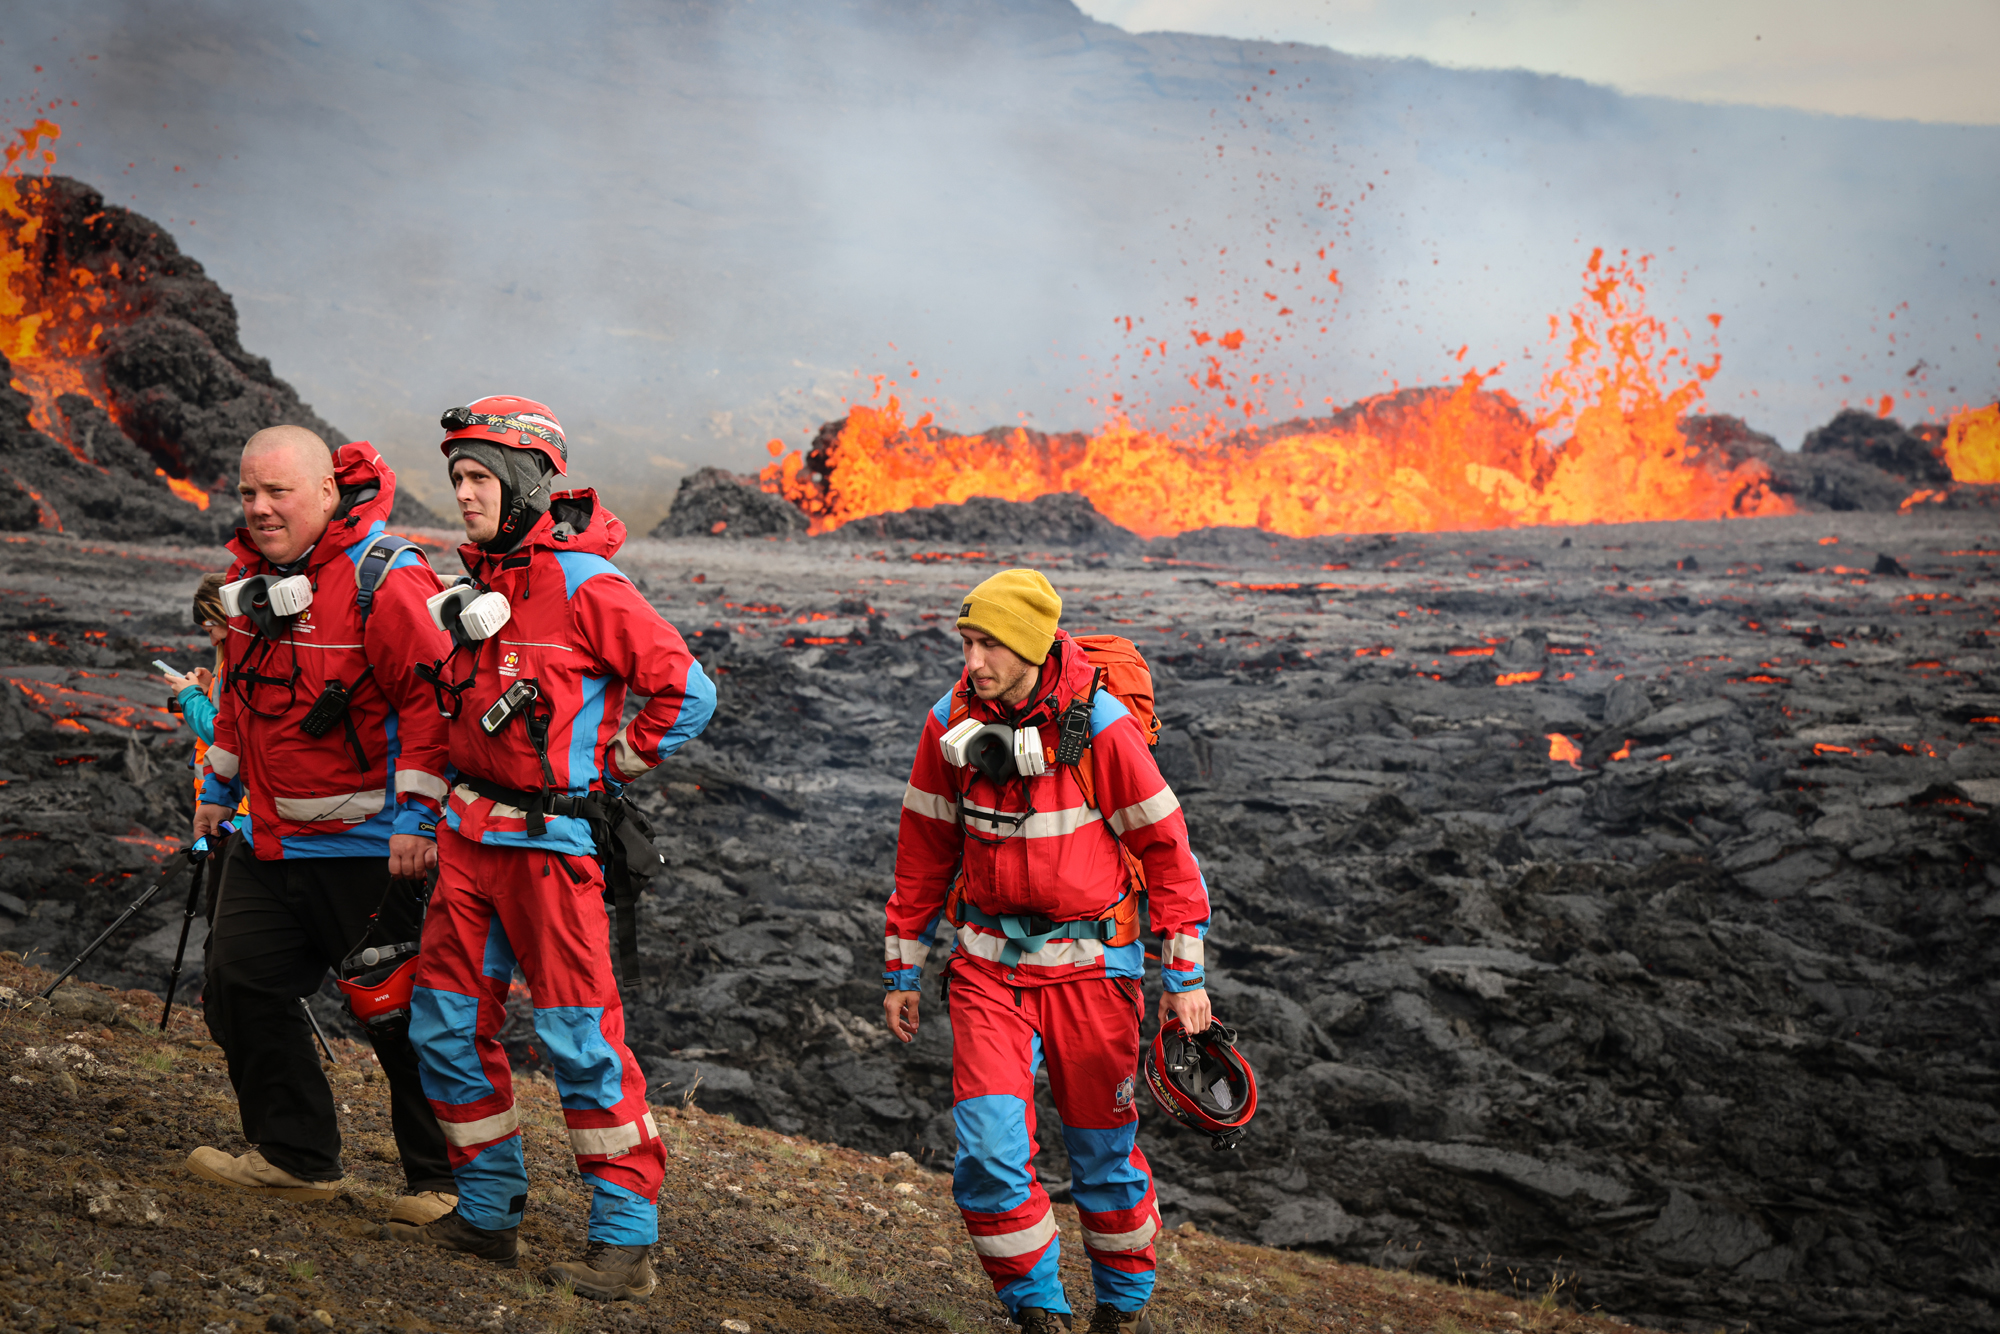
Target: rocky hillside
pixel 173 392
pixel 105 1229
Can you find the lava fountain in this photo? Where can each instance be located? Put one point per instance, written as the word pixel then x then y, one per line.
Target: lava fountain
pixel 1608 448
pixel 55 310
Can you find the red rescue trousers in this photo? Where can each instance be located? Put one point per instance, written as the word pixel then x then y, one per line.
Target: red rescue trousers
pixel 1088 1033
pixel 496 907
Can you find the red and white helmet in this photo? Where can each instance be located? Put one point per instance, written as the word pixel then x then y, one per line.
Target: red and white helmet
pixel 378 988
pixel 515 423
pixel 1203 1082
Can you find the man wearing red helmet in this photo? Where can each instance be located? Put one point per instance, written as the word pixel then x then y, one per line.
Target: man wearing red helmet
pixel 535 687
pixel 1024 861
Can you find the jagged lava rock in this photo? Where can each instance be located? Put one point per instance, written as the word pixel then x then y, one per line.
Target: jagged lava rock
pixel 1064 519
pixel 714 502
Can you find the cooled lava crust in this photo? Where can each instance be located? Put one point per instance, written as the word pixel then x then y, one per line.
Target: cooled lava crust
pixel 1703 1022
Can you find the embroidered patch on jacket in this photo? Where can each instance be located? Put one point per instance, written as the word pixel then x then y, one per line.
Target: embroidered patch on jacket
pixel 1123 1096
pixel 511 664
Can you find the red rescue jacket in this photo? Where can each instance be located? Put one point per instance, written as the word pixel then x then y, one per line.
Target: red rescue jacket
pixel 583 634
pixel 1062 865
pixel 311 796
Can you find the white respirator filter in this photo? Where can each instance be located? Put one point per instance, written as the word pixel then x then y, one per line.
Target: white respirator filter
pixel 953 742
pixel 286 597
pixel 1029 760
pixel 468 615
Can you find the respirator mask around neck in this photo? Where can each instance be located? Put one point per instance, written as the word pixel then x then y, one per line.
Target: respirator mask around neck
pixel 468 615
pixel 995 749
pixel 271 602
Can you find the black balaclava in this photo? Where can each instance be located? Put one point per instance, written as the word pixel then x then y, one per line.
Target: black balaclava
pixel 524 487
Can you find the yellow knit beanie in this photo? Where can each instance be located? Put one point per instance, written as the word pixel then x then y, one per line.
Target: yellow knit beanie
pixel 1018 608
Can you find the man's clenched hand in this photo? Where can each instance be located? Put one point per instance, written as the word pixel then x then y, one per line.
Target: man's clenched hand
pixel 1190 1007
pixel 411 856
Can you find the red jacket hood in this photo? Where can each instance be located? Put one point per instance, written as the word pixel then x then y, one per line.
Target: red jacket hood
pixel 367 493
pixel 593 529
pixel 1065 674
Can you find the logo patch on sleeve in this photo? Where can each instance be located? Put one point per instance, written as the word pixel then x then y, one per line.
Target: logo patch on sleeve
pixel 1123 1096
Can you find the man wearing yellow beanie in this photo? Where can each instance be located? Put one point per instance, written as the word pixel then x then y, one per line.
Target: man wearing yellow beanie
pixel 1038 973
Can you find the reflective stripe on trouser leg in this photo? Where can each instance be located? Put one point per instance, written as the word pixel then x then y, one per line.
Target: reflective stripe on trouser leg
pixel 1113 1189
pixel 1090 1035
pixel 456 1010
pixel 994 1057
pixel 562 931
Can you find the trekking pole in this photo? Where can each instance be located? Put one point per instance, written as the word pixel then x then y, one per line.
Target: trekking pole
pixel 180 950
pixel 313 1019
pixel 194 853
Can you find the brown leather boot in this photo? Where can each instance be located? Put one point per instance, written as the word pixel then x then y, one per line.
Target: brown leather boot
pixel 607 1273
pixel 501 1247
pixel 1035 1320
pixel 1108 1319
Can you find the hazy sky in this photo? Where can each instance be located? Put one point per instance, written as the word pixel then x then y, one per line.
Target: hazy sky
pixel 1914 59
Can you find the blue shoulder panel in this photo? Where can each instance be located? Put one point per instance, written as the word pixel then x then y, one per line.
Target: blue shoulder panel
pixel 354 552
pixel 1105 710
pixel 580 567
pixel 942 709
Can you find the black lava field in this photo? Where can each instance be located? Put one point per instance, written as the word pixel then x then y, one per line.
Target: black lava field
pixel 1706 1020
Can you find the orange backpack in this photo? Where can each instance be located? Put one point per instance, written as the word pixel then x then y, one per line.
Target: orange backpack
pixel 1121 669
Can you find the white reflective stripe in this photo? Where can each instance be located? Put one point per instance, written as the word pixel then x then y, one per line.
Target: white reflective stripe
pixel 900 953
pixel 350 806
pixel 487 1129
pixel 1178 948
pixel 1150 811
pixel 1009 1244
pixel 222 764
pixel 652 1126
pixel 1042 824
pixel 421 783
pixel 929 803
pixel 529 643
pixel 1055 954
pixel 605 1141
pixel 631 761
pixel 501 810
pixel 1135 1240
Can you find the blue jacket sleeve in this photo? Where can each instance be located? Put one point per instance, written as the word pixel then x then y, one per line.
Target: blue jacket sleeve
pixel 199 710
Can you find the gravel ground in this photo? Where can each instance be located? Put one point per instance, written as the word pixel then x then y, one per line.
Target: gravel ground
pixel 106 1231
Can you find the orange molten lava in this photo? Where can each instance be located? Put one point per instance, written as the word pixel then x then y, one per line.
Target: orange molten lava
pixel 53 316
pixel 46 325
pixel 1607 450
pixel 1971 446
pixel 1562 750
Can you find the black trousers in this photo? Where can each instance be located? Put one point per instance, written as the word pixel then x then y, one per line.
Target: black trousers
pixel 279 925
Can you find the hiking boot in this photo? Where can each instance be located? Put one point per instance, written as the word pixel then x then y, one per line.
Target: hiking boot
pixel 1035 1320
pixel 1108 1319
pixel 426 1206
pixel 253 1174
pixel 450 1230
pixel 607 1273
